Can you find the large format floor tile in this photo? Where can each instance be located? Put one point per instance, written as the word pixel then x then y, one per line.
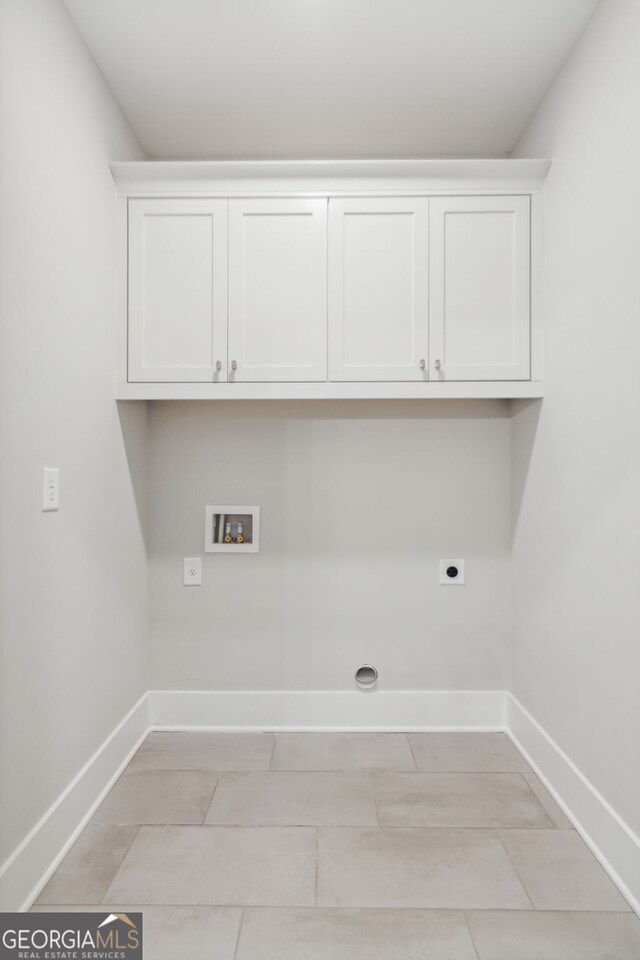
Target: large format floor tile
pixel 559 872
pixel 457 800
pixel 555 936
pixel 158 796
pixel 330 846
pixel 204 751
pixel 272 866
pixel 354 935
pixel 294 799
pixel 178 933
pixel 342 751
pixel 466 753
pixel 205 933
pixel 87 870
pixel 398 867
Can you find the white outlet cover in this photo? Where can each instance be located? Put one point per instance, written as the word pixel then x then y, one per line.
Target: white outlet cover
pixel 50 489
pixel 192 571
pixel 444 578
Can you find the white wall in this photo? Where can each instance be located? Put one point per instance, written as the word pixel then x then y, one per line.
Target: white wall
pixel 74 653
pixel 576 469
pixel 359 501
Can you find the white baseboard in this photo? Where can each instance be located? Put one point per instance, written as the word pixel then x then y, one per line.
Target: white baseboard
pixel 614 844
pixel 609 838
pixel 388 710
pixel 29 867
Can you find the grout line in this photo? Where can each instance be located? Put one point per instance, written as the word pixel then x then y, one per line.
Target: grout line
pixel 468 926
pixel 552 825
pixel 273 750
pixel 375 800
pixel 515 870
pixel 124 857
pixel 235 949
pixel 315 895
pixel 204 819
pixel 454 828
pixel 413 756
pixel 508 911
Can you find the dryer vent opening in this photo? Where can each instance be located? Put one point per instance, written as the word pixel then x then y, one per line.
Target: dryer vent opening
pixel 366 677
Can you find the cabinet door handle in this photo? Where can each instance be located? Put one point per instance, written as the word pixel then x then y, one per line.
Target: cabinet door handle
pixel 218 365
pixel 422 364
pixel 437 365
pixel 234 365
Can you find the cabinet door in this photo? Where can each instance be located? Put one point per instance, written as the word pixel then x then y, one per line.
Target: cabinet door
pixel 378 289
pixel 177 290
pixel 278 290
pixel 479 288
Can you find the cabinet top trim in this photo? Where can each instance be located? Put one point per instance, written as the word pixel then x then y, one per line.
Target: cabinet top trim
pixel 143 178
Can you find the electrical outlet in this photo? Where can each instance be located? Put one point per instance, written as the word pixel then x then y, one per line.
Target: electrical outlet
pixel 192 571
pixel 452 573
pixel 50 489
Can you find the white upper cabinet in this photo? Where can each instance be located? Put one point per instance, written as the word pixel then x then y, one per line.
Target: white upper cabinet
pixel 277 290
pixel 337 279
pixel 378 289
pixel 479 288
pixel 177 290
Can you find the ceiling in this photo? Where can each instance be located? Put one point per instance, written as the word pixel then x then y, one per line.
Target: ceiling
pixel 329 78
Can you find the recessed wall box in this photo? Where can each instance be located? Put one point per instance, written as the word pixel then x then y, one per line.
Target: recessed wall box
pixel 230 529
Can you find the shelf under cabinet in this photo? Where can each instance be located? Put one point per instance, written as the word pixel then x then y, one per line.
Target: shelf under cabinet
pixel 467 390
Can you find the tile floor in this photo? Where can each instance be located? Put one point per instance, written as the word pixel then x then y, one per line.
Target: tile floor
pixel 323 846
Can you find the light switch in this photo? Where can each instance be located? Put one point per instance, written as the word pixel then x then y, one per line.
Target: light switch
pixel 51 488
pixel 193 571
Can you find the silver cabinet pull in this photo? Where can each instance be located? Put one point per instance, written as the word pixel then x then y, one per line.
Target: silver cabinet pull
pixel 218 365
pixel 422 364
pixel 234 365
pixel 437 364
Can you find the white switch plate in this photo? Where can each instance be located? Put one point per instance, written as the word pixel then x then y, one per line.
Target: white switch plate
pixel 445 579
pixel 50 488
pixel 193 571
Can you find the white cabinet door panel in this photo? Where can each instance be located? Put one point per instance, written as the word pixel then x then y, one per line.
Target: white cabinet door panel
pixel 479 288
pixel 177 290
pixel 278 290
pixel 378 288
